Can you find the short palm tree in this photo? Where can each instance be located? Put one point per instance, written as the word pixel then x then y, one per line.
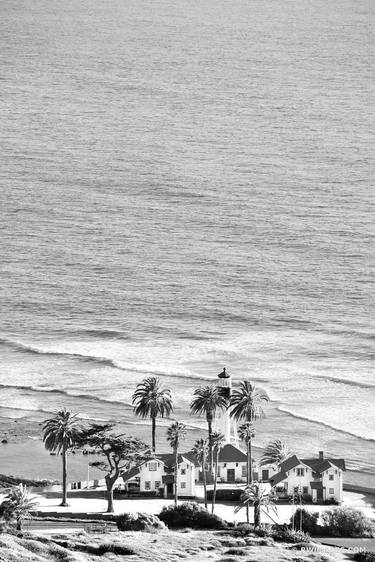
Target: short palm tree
pixel 207 401
pixel 218 441
pixel 200 451
pixel 175 434
pixel 150 401
pixel 260 498
pixel 60 434
pixel 17 505
pixel 276 452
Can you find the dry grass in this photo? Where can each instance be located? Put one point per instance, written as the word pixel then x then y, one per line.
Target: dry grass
pixel 167 546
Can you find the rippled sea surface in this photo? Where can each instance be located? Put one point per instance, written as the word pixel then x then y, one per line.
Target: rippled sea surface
pixel 187 185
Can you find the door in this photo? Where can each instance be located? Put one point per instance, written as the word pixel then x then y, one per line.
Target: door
pixel 231 475
pixel 265 474
pixel 319 494
pixel 169 490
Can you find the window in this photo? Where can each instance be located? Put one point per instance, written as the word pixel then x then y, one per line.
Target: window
pixel 331 491
pixel 244 470
pixel 183 471
pixel 147 485
pixel 225 465
pixel 331 477
pixel 305 490
pixel 183 485
pixel 157 484
pixel 152 466
pixel 236 464
pixel 300 472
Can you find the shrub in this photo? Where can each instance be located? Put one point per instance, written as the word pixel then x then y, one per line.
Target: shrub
pixel 243 530
pixel 364 556
pixel 285 534
pixel 309 521
pixel 347 522
pixel 139 522
pixel 190 514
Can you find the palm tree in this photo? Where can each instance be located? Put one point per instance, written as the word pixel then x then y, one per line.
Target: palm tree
pixel 247 402
pixel 17 505
pixel 276 452
pixel 175 434
pixel 218 441
pixel 246 433
pixel 150 400
pixel 60 435
pixel 260 498
pixel 207 401
pixel 200 451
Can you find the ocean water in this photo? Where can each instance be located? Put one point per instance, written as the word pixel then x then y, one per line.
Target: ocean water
pixel 188 185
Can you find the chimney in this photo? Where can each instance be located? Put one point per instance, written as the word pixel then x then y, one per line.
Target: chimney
pixel 321 455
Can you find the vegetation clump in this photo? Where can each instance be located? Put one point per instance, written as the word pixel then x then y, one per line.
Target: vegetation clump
pixel 347 522
pixel 364 556
pixel 190 514
pixel 139 522
pixel 285 534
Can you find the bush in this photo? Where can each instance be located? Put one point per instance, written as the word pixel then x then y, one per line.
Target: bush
pixel 364 556
pixel 139 522
pixel 309 521
pixel 285 534
pixel 190 514
pixel 243 530
pixel 347 522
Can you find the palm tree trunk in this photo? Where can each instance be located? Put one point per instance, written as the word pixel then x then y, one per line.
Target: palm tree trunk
pixel 215 481
pixel 204 460
pixel 249 478
pixel 256 514
pixel 211 457
pixel 176 478
pixel 19 524
pixel 64 501
pixel 153 421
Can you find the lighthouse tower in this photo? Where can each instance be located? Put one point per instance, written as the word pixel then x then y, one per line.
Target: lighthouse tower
pixel 223 422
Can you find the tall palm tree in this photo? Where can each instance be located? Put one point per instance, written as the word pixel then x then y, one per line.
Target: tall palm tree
pixel 276 452
pixel 175 434
pixel 218 441
pixel 261 499
pixel 60 434
pixel 200 451
pixel 207 401
pixel 246 404
pixel 246 433
pixel 17 505
pixel 150 400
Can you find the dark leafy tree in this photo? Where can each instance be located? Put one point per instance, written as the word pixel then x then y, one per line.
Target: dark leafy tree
pixel 120 453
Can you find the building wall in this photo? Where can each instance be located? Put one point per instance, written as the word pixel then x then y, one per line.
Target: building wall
pixel 239 471
pixel 333 488
pixel 295 479
pixel 152 480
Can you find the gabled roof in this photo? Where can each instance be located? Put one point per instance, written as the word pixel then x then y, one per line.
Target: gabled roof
pixel 230 453
pixel 290 463
pixel 130 474
pixel 320 465
pixel 277 478
pixel 191 457
pixel 168 459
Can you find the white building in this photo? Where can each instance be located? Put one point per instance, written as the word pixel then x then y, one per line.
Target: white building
pixel 319 478
pixel 156 475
